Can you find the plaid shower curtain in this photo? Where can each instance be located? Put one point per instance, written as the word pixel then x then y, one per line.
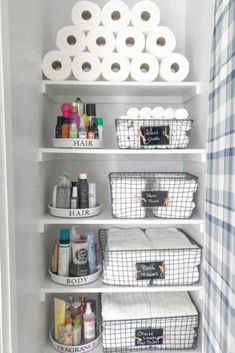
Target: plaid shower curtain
pixel 219 318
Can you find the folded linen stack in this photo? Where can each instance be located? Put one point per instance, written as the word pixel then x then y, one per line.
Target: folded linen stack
pixel 127 247
pixel 180 195
pixel 126 194
pixel 124 313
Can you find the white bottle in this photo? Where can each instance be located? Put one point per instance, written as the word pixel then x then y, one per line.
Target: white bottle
pixel 64 252
pixel 89 324
pixel 54 196
pixel 77 332
pixel 82 133
pixel 92 195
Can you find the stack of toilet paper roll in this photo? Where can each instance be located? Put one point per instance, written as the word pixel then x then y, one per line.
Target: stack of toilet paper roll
pixel 115 43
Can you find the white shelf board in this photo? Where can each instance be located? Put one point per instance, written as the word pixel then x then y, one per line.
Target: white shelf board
pixel 99 287
pixel 122 92
pixel 105 218
pixel 48 154
pixel 99 349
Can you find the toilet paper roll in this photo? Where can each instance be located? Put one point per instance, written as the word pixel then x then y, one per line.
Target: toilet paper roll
pixel 145 113
pixel 115 15
pixel 130 42
pixel 144 67
pixel 169 113
pixel 86 15
pixel 158 112
pixel 160 42
pixel 133 113
pixel 145 15
pixel 100 41
pixel 70 40
pixel 181 113
pixel 56 65
pixel 86 67
pixel 115 67
pixel 174 68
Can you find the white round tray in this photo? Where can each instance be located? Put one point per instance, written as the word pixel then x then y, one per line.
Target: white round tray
pixel 74 349
pixel 75 281
pixel 75 213
pixel 77 143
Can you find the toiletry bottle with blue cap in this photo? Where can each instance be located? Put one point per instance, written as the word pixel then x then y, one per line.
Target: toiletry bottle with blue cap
pixel 64 252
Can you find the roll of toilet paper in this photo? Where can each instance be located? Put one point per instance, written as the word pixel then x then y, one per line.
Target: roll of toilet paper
pixel 133 113
pixel 169 113
pixel 158 112
pixel 130 42
pixel 174 68
pixel 160 42
pixel 56 65
pixel 86 15
pixel 115 67
pixel 181 113
pixel 115 15
pixel 145 113
pixel 145 15
pixel 100 41
pixel 144 67
pixel 86 67
pixel 70 40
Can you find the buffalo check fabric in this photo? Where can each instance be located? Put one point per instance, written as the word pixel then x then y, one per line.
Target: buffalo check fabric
pixel 219 317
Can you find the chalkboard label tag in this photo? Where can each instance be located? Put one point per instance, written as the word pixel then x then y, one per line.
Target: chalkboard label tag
pixel 154 198
pixel 154 135
pixel 148 337
pixel 150 270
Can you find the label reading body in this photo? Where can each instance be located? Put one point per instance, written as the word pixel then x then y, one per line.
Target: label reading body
pixel 154 198
pixel 150 270
pixel 154 135
pixel 148 337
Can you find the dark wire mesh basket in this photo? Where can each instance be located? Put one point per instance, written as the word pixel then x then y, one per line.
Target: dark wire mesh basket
pixel 151 334
pixel 145 194
pixel 153 133
pixel 140 268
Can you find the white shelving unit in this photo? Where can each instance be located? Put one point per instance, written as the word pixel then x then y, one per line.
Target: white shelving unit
pixel 99 287
pixel 122 92
pixel 48 154
pixel 105 218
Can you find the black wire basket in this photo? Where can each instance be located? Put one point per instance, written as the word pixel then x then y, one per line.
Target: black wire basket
pixel 145 194
pixel 151 334
pixel 153 133
pixel 140 268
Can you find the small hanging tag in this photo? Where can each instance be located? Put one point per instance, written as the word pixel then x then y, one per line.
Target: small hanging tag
pixel 149 337
pixel 154 198
pixel 154 135
pixel 150 270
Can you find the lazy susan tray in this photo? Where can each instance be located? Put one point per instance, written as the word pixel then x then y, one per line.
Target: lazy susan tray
pixel 75 281
pixel 75 213
pixel 77 143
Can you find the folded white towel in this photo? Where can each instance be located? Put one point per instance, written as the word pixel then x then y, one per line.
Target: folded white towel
pixel 126 239
pixel 131 306
pixel 158 112
pixel 145 113
pixel 133 113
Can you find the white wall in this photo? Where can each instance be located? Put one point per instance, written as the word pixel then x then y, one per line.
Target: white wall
pixel 28 36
